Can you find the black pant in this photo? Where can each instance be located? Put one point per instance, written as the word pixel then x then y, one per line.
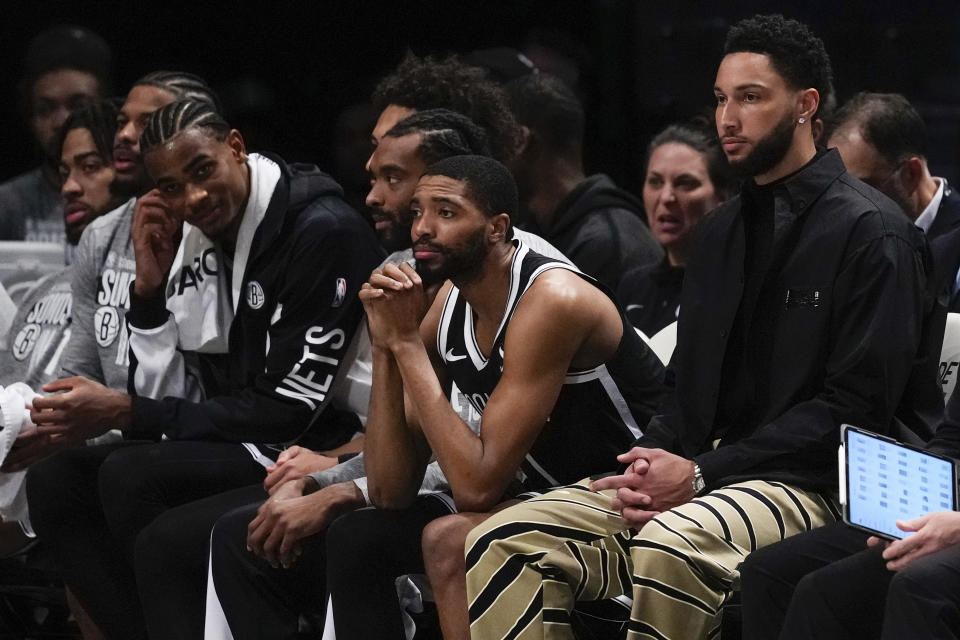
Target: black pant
pixel 258 600
pixel 923 600
pixel 856 596
pixel 90 504
pixel 366 551
pixel 172 560
pixel 774 578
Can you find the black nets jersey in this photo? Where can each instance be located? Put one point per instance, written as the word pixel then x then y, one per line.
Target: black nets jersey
pixel 599 411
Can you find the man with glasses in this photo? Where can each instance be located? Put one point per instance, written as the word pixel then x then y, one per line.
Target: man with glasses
pixel 883 140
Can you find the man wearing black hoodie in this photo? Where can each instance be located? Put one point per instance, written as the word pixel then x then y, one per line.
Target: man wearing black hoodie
pixel 242 310
pixel 597 225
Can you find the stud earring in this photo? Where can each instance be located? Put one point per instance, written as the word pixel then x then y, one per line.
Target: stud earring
pixel 802 120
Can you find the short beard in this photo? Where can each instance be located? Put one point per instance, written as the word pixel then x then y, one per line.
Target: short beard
pixel 396 237
pixel 126 189
pixel 769 151
pixel 462 264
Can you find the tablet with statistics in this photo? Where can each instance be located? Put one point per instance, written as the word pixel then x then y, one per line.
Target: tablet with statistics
pixel 883 481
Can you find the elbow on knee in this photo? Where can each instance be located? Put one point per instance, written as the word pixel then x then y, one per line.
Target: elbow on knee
pixel 477 501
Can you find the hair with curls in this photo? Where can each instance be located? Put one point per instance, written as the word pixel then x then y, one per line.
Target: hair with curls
pixel 443 133
pixel 427 83
pixel 99 118
pixel 182 85
pixel 795 52
pixel 887 121
pixel 703 140
pixel 545 104
pixel 167 122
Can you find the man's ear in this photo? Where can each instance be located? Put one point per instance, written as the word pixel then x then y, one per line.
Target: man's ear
pixel 807 104
pixel 912 173
pixel 237 147
pixel 499 228
pixel 525 140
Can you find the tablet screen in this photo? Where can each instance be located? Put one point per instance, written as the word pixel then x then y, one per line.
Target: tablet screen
pixel 887 482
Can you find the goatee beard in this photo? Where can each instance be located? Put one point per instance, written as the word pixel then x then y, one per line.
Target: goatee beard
pixel 768 152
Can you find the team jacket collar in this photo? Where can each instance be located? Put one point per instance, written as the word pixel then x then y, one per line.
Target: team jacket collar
pixel 269 228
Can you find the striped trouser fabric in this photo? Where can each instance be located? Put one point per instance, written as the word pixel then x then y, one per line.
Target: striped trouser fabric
pixel 529 564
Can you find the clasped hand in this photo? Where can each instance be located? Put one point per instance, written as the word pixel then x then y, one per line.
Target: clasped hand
pixel 395 302
pixel 288 517
pixel 654 481
pixel 84 410
pixel 292 464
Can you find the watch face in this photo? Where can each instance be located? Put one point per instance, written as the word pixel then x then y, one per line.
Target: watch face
pixel 698 482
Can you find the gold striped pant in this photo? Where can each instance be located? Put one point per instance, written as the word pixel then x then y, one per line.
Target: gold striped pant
pixel 529 564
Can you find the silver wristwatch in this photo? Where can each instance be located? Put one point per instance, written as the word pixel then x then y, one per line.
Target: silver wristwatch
pixel 698 484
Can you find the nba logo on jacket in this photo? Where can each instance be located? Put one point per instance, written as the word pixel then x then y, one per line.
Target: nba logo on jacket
pixel 341 293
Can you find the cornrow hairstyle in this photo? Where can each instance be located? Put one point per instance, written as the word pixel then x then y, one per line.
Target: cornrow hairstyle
pixel 547 105
pixel 176 117
pixel 427 83
pixel 183 86
pixel 443 133
pixel 99 118
pixel 488 183
pixel 703 140
pixel 887 121
pixel 795 52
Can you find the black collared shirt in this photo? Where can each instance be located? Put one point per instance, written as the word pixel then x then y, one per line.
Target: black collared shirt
pixel 833 336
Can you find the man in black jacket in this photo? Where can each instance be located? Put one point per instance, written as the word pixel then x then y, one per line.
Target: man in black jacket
pixel 597 225
pixel 242 310
pixel 803 585
pixel 803 304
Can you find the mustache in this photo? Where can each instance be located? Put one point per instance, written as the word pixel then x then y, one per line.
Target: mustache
pixel 426 245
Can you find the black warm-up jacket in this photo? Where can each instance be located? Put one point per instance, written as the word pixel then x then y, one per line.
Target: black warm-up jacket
pixel 309 256
pixel 838 332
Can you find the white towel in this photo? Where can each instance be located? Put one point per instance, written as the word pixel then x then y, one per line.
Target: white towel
pixel 199 296
pixel 15 418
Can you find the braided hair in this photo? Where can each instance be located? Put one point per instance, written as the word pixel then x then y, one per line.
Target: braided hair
pixel 443 133
pixel 168 121
pixel 182 85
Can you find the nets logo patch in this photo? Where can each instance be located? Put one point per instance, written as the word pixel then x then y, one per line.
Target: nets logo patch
pixel 106 325
pixel 340 294
pixel 255 296
pixel 25 341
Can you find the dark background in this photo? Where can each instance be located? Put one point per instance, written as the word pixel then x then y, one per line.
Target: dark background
pixel 646 63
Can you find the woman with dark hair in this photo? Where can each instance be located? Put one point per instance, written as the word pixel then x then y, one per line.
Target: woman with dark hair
pixel 686 177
